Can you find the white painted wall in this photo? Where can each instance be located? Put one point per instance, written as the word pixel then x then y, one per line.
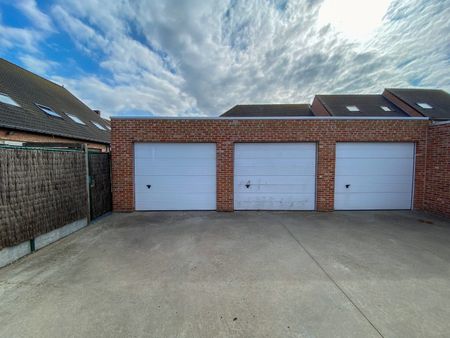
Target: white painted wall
pixel 281 176
pixel 182 176
pixel 379 175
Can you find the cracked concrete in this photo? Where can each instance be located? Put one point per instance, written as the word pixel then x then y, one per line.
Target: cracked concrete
pixel 242 274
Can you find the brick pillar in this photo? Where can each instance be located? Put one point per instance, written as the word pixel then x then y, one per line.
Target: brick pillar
pixel 122 154
pixel 419 176
pixel 326 159
pixel 225 173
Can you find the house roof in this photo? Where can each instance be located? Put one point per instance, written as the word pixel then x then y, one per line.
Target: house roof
pixel 29 89
pixel 268 110
pixel 439 100
pixel 368 105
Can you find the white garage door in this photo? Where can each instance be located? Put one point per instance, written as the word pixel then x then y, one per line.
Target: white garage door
pixel 373 176
pixel 274 176
pixel 175 176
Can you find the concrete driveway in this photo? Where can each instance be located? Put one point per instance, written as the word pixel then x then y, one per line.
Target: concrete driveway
pixel 243 274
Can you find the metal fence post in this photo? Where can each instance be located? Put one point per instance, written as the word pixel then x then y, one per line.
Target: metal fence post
pixel 88 183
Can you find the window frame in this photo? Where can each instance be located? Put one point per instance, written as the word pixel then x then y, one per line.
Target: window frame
pixel 99 126
pixel 50 111
pixel 76 119
pixel 386 108
pixel 353 108
pixel 424 105
pixel 12 103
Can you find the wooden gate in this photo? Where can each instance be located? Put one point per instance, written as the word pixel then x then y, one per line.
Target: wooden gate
pixel 100 183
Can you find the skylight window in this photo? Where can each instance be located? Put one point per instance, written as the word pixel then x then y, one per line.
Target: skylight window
pixel 352 108
pixel 385 108
pixel 48 110
pixel 8 100
pixel 424 105
pixel 98 125
pixel 75 119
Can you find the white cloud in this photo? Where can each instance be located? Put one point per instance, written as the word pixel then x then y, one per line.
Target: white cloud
pixel 20 38
pixel 37 65
pixel 30 10
pixel 201 57
pixel 27 39
pixel 356 19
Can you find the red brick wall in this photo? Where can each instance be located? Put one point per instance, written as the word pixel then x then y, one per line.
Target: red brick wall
pixel 23 136
pixel 437 186
pixel 225 133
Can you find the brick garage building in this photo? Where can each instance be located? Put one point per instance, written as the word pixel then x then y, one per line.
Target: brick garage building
pixel 344 152
pixel 325 132
pixel 437 188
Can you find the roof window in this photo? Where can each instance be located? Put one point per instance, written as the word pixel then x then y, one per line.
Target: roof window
pixel 5 98
pixel 385 108
pixel 424 105
pixel 48 110
pixel 98 125
pixel 75 119
pixel 352 108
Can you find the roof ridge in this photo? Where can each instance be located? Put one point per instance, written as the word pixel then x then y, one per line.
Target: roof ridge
pixel 272 104
pixel 34 74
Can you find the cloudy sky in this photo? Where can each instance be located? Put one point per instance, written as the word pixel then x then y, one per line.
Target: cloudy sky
pixel 201 57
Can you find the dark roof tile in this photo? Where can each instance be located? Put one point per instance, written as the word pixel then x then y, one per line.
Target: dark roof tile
pixel 438 99
pixel 369 105
pixel 268 110
pixel 29 89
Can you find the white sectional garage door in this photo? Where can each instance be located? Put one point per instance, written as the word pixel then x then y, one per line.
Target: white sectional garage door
pixel 274 176
pixel 372 176
pixel 175 176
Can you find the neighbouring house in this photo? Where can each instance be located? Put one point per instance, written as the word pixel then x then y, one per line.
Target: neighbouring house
pixel 344 152
pixel 268 110
pixel 34 109
pixel 355 105
pixel 432 103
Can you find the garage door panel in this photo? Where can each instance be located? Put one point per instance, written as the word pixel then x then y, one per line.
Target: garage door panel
pixel 370 166
pixel 372 201
pixel 275 202
pixel 174 150
pixel 375 188
pixel 374 176
pixel 175 176
pixel 165 167
pixel 275 169
pixel 373 184
pixel 169 201
pixel 275 184
pixel 279 176
pixel 173 184
pixel 276 150
pixel 374 179
pixel 375 150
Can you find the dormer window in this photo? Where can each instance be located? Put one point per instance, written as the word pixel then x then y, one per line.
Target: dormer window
pixel 98 125
pixel 48 110
pixel 5 98
pixel 385 108
pixel 75 119
pixel 352 108
pixel 424 105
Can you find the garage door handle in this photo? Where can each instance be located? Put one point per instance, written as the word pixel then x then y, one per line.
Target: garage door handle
pixel 149 186
pixel 248 184
pixel 347 186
